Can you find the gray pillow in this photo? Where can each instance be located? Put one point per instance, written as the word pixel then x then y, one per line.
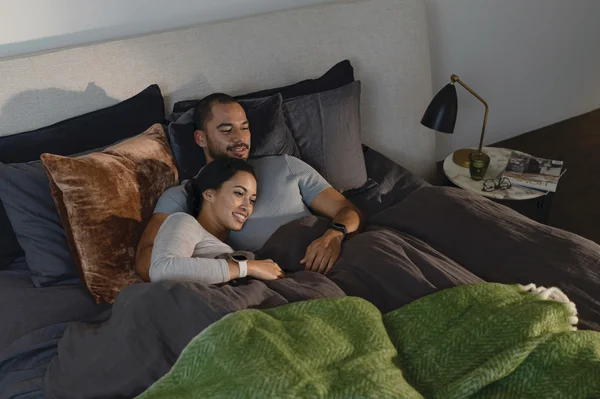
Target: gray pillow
pixel 25 192
pixel 326 128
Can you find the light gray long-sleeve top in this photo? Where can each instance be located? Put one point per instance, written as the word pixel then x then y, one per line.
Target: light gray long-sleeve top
pixel 184 250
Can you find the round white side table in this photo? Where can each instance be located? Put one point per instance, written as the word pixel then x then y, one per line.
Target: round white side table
pixel 498 159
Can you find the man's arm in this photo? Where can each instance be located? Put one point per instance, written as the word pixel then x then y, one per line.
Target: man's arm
pixel 333 205
pixel 322 253
pixel 143 254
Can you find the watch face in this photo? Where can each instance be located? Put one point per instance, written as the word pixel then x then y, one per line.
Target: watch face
pixel 239 258
pixel 339 227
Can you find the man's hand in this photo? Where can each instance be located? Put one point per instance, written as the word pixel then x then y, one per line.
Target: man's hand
pixel 323 252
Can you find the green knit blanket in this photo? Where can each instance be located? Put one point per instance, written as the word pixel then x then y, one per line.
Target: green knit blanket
pixel 474 341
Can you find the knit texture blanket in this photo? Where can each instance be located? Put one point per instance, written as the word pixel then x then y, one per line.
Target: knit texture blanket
pixel 474 341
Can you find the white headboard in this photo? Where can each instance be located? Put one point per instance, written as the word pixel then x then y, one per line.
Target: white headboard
pixel 386 41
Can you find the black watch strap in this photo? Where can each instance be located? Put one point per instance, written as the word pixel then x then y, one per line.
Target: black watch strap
pixel 339 227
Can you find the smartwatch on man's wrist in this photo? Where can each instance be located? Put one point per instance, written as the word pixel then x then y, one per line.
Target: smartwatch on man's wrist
pixel 339 227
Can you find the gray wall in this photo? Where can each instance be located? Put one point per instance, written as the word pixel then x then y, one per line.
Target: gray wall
pixel 535 62
pixel 29 26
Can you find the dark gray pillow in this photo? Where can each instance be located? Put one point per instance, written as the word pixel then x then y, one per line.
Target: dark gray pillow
pixel 25 192
pixel 270 135
pixel 9 246
pixel 326 128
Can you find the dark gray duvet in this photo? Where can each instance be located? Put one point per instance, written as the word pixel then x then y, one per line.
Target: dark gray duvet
pixel 435 238
pixel 32 321
pixel 418 239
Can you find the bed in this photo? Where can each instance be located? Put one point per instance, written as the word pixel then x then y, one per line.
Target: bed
pixel 65 334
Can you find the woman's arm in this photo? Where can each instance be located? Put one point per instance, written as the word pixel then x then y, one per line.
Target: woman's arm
pixel 172 254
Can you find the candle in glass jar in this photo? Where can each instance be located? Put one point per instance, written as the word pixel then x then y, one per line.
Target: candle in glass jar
pixel 478 163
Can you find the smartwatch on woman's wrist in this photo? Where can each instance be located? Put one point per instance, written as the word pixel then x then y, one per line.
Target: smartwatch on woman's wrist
pixel 242 262
pixel 243 265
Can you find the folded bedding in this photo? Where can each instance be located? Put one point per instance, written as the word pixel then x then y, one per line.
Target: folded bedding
pixel 406 252
pixel 478 341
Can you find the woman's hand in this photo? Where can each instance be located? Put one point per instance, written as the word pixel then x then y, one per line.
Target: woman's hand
pixel 264 270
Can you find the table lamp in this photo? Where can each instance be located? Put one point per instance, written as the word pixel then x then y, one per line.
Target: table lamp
pixel 441 116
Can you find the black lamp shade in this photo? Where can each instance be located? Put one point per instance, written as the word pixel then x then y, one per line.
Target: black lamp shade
pixel 442 110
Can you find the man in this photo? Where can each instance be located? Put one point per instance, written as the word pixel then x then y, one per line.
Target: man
pixel 288 189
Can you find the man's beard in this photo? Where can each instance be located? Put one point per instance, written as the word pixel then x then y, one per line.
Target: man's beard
pixel 216 153
pixel 213 152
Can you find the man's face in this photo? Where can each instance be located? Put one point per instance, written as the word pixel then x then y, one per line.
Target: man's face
pixel 226 134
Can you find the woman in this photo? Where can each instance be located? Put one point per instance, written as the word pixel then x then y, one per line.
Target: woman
pixel 220 199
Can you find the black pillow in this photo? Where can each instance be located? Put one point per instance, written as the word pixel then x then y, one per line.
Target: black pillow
pixel 270 134
pixel 85 132
pixel 79 134
pixel 339 75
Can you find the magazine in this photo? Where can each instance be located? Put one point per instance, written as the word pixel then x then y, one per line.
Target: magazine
pixel 533 172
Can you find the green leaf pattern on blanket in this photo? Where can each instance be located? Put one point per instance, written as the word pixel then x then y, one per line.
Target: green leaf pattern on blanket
pixel 474 341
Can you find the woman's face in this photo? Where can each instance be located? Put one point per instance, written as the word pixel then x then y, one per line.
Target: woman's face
pixel 234 201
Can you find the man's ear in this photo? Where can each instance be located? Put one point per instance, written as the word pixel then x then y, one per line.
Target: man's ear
pixel 209 195
pixel 200 138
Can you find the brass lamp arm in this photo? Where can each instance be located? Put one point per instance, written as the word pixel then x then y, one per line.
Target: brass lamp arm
pixel 454 79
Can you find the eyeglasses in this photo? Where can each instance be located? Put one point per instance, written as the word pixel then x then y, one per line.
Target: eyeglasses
pixel 493 184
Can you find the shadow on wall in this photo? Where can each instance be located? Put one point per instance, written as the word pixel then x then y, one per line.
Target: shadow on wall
pixel 197 88
pixel 33 109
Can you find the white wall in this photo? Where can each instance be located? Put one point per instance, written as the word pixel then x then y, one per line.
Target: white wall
pixel 535 62
pixel 28 26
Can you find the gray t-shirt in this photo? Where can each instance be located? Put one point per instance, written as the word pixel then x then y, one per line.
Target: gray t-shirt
pixel 286 187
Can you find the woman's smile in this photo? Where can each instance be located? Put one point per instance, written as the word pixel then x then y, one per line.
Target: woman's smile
pixel 240 217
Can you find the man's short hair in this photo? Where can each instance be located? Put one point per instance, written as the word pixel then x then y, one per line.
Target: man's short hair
pixel 203 110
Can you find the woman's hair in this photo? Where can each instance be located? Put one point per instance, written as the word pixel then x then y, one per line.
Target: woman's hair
pixel 212 176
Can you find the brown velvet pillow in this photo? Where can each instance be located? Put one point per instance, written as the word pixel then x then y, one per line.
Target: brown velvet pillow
pixel 105 199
